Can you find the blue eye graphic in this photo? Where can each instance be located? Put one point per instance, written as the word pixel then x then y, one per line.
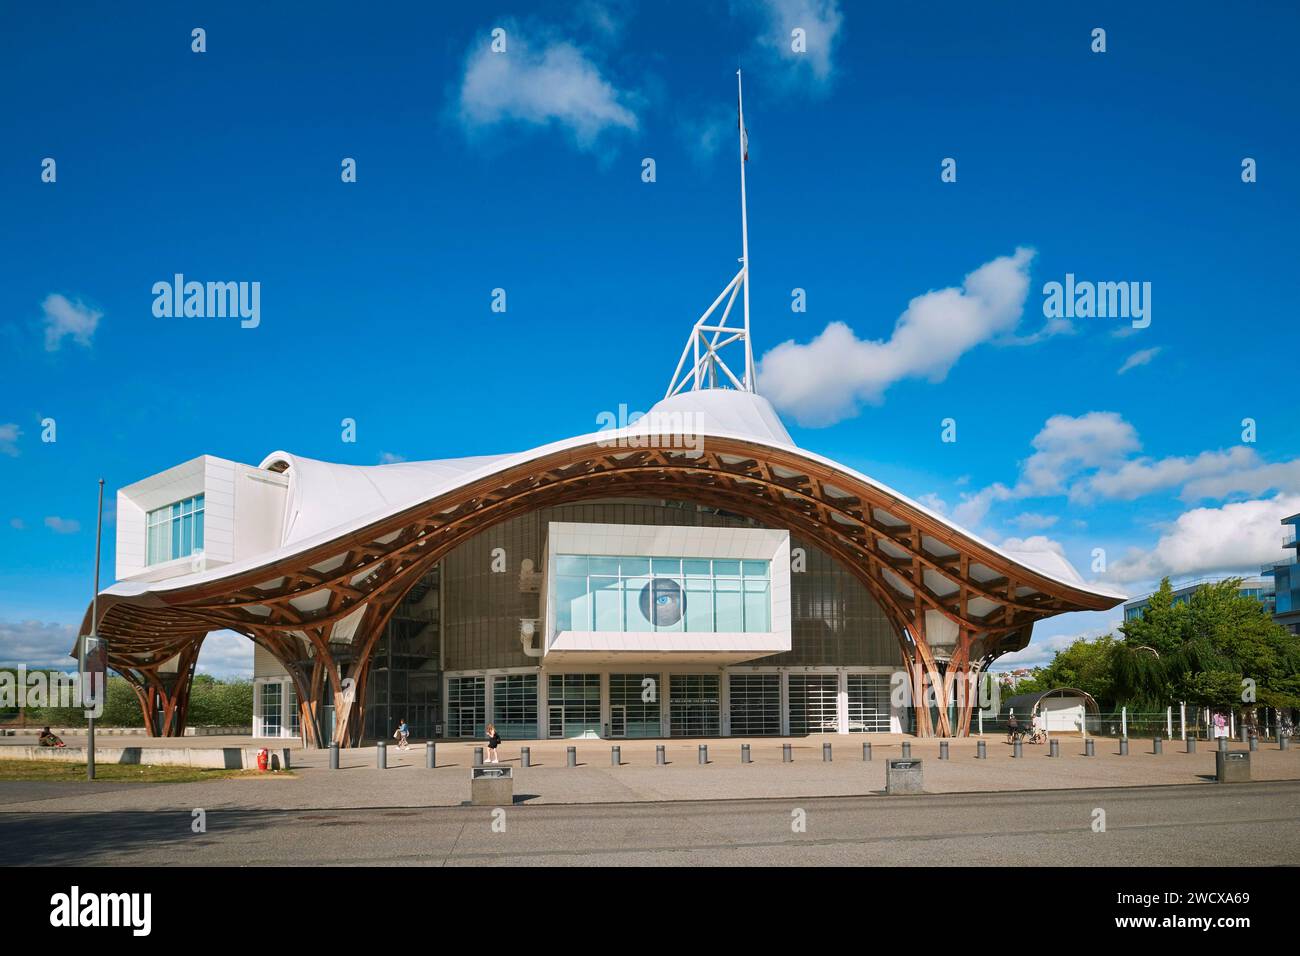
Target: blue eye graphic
pixel 663 602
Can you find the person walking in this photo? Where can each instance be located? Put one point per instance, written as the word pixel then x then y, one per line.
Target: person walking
pixel 402 734
pixel 1220 726
pixel 1013 727
pixel 493 742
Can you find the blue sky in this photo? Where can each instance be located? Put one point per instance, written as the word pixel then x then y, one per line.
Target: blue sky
pixel 522 171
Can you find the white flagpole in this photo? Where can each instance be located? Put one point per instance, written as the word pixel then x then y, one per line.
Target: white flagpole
pixel 744 237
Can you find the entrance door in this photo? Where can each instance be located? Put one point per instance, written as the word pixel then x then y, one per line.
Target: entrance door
pixel 618 720
pixel 466 728
pixel 555 721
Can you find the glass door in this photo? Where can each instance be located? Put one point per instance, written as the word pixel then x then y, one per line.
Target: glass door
pixel 618 720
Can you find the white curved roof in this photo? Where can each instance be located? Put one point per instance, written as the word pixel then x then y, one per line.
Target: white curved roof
pixel 328 501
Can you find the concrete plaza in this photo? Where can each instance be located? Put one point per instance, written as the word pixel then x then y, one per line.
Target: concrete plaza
pixel 358 784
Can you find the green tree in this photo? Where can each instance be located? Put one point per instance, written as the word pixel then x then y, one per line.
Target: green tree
pixel 1206 650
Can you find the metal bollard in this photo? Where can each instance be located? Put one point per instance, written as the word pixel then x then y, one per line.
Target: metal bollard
pixel 1191 745
pixel 660 758
pixel 704 753
pixel 981 750
pixel 1089 748
pixel 615 756
pixel 1223 745
pixel 478 756
pixel 907 749
pixel 787 755
pixel 573 756
pixel 430 754
pixel 1053 748
pixel 866 752
pixel 1123 746
pixel 744 753
pixel 1157 746
pixel 381 755
pixel 1017 748
pixel 943 750
pixel 1283 743
pixel 826 753
pixel 525 756
pixel 334 756
pixel 1254 743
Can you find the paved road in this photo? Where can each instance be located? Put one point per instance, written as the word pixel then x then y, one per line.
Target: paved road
pixel 1248 825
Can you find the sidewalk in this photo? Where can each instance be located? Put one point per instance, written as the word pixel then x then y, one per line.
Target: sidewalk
pixel 407 783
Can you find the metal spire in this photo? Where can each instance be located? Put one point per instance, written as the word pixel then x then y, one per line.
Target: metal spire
pixel 707 339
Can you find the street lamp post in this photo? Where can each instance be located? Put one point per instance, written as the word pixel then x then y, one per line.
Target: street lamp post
pixel 94 637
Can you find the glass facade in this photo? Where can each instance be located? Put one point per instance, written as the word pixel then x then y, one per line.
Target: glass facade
pixel 270 712
pixel 466 707
pixel 623 593
pixel 635 705
pixel 754 704
pixel 868 703
pixel 175 530
pixel 514 706
pixel 696 705
pixel 405 679
pixel 573 705
pixel 814 703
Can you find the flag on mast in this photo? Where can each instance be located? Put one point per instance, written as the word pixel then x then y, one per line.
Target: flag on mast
pixel 744 135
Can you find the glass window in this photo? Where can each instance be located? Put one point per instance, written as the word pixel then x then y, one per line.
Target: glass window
pixel 606 592
pixel 271 710
pixel 694 595
pixel 174 531
pixel 514 706
pixel 755 704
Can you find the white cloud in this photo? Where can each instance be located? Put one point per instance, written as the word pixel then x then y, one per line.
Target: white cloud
pixel 1236 538
pixel 62 525
pixel 551 83
pixel 705 135
pixel 820 21
pixel 1033 543
pixel 17 524
pixel 36 644
pixel 1041 650
pixel 1143 476
pixel 64 318
pixel 9 435
pixel 1141 357
pixel 1066 447
pixel 825 380
pixel 1281 476
pixel 1030 521
pixel 226 654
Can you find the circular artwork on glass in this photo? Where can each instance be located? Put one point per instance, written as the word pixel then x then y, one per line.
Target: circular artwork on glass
pixel 663 602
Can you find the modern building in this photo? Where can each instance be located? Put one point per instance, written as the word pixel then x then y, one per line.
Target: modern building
pixel 1259 588
pixel 692 573
pixel 1286 579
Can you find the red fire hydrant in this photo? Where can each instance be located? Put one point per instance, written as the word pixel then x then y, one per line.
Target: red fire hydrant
pixel 262 759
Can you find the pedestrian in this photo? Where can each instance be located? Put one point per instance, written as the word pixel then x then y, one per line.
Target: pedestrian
pixel 1013 727
pixel 493 742
pixel 403 732
pixel 1220 726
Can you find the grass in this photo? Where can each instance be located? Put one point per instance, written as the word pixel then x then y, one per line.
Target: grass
pixel 58 770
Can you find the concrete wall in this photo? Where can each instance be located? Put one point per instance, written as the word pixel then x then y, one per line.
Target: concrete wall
pixel 215 758
pixel 243 514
